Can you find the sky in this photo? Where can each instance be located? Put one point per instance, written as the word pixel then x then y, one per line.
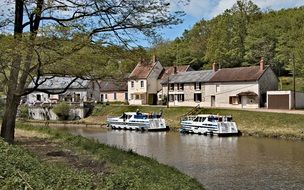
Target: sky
pixel 207 9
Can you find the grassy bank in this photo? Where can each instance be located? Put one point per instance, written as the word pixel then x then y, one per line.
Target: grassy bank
pixel 265 124
pixel 88 165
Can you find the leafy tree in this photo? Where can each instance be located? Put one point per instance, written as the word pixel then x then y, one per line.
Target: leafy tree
pixel 40 25
pixel 62 110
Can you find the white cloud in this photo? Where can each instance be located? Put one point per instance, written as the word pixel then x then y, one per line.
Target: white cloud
pixel 210 8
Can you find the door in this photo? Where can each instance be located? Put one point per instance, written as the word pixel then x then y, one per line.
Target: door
pixel 212 101
pixel 244 100
pixel 278 101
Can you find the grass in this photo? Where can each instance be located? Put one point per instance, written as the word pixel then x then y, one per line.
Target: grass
pixel 21 170
pixel 266 124
pixel 125 169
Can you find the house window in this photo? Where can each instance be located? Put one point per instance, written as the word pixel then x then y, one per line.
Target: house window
pixel 197 86
pixel 141 84
pixel 38 97
pixel 137 96
pixel 197 97
pixel 234 100
pixel 76 97
pixel 132 84
pixel 172 87
pixel 180 97
pixel 217 88
pixel 171 97
pixel 106 96
pixel 114 96
pixel 126 96
pixel 180 86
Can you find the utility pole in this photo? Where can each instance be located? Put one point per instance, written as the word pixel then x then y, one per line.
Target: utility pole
pixel 294 81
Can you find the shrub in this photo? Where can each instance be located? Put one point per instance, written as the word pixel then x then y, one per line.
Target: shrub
pixel 62 110
pixel 23 111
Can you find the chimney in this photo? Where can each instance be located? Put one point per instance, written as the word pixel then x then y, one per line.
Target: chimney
pixel 214 67
pixel 174 70
pixel 262 64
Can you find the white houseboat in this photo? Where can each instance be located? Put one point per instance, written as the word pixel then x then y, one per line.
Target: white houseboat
pixel 138 121
pixel 209 124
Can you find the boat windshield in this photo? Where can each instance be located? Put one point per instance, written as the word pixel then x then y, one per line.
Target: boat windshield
pixel 212 118
pixel 140 116
pixel 199 119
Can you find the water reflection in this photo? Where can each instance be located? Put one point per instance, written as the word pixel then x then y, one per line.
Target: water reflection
pixel 218 163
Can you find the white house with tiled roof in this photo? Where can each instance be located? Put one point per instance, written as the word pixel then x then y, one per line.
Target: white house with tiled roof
pixel 242 87
pixel 53 89
pixel 143 84
pixel 144 81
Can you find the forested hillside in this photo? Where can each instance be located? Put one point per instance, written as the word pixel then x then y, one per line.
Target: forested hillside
pixel 240 37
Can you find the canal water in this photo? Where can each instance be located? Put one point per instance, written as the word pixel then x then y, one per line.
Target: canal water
pixel 218 163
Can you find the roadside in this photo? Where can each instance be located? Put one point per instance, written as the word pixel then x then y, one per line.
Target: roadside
pixel 80 163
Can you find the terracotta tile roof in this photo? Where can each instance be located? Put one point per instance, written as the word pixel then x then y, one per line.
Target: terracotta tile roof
pixel 167 71
pixel 237 74
pixel 142 69
pixel 113 86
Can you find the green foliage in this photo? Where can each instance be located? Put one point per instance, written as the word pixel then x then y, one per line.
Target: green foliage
pixel 240 37
pixel 62 110
pixel 20 170
pixel 23 111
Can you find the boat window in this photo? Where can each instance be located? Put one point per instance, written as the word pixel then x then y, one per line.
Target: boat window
pixel 196 119
pixel 211 119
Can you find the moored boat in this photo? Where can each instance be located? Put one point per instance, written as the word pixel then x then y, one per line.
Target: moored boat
pixel 138 121
pixel 209 124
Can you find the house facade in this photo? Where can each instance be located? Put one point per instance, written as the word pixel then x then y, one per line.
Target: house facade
pixel 242 87
pixel 80 95
pixel 113 91
pixel 79 91
pixel 187 88
pixel 143 84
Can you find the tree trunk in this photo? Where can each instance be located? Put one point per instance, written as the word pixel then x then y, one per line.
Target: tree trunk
pixel 9 119
pixel 12 100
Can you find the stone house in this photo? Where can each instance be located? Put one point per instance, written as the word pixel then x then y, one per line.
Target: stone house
pixel 80 95
pixel 242 87
pixel 79 91
pixel 144 81
pixel 113 91
pixel 187 88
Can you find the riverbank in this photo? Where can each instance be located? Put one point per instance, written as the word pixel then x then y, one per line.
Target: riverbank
pixel 251 123
pixel 44 158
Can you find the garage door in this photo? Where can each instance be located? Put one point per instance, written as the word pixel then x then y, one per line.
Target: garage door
pixel 278 101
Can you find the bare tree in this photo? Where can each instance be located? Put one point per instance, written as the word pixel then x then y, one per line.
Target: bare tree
pixel 108 21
